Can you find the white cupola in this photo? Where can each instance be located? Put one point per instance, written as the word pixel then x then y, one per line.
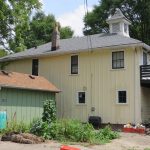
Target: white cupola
pixel 118 23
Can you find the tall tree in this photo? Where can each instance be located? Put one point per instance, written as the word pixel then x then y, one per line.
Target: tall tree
pixel 66 32
pixel 14 16
pixel 137 11
pixel 41 28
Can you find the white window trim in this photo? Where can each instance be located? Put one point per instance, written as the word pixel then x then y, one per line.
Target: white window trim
pixel 77 99
pixel 117 97
pixel 118 50
pixel 70 65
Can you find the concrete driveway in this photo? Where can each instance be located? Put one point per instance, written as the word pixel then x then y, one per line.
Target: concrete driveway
pixel 125 142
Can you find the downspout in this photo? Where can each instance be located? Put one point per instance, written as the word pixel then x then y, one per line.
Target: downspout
pixel 135 51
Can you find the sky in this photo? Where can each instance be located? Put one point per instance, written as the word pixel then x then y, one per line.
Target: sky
pixel 68 12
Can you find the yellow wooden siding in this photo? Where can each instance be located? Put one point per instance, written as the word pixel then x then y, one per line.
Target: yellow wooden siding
pixel 98 80
pixel 145 97
pixel 22 66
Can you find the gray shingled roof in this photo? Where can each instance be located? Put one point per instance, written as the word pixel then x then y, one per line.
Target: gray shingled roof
pixel 73 45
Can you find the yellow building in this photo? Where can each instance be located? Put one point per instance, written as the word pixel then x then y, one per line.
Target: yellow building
pixel 99 75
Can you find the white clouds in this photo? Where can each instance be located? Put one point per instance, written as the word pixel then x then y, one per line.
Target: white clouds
pixel 74 19
pixel 42 2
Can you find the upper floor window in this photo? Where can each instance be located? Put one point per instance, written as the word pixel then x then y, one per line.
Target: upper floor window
pixel 35 67
pixel 74 64
pixel 118 60
pixel 144 58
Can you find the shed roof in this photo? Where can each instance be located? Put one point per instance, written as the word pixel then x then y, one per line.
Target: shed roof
pixel 76 44
pixel 25 81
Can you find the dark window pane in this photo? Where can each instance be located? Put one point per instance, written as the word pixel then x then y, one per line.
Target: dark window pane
pixel 81 97
pixel 122 96
pixel 35 64
pixel 144 58
pixel 121 55
pixel 114 56
pixel 117 60
pixel 74 64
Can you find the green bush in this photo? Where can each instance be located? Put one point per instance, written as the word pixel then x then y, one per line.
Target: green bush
pixel 68 130
pixel 13 126
pixel 38 127
pixel 73 131
pixel 49 111
pixel 105 135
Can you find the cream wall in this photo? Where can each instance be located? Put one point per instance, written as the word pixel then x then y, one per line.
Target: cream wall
pixel 145 98
pixel 97 79
pixel 145 103
pixel 22 66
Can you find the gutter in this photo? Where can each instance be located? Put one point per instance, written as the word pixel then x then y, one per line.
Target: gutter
pixel 24 88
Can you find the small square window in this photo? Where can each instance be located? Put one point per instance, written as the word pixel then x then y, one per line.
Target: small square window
pixel 81 97
pixel 122 97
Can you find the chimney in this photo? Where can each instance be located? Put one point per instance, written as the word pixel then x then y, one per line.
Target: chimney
pixel 55 37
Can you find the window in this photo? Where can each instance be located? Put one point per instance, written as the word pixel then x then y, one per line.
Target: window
pixel 144 58
pixel 74 64
pixel 117 60
pixel 125 28
pixel 35 64
pixel 81 97
pixel 122 97
pixel 115 27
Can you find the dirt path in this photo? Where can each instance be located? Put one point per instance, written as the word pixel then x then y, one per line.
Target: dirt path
pixel 126 142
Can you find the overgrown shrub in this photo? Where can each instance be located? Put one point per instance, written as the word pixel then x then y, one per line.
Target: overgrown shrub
pixel 73 131
pixel 105 135
pixel 49 111
pixel 38 127
pixel 68 130
pixel 13 126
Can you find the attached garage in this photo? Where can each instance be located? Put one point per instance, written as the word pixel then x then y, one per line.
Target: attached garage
pixel 22 95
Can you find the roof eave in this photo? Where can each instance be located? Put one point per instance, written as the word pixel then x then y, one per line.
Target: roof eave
pixel 147 47
pixel 25 88
pixel 75 51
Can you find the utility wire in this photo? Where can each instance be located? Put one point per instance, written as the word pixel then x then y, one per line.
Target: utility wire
pixel 90 59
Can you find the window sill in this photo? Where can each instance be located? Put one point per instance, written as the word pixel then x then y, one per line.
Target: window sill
pixel 81 104
pixel 124 104
pixel 74 74
pixel 119 69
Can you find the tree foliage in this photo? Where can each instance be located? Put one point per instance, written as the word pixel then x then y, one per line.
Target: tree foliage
pixel 3 53
pixel 18 30
pixel 137 11
pixel 14 16
pixel 41 28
